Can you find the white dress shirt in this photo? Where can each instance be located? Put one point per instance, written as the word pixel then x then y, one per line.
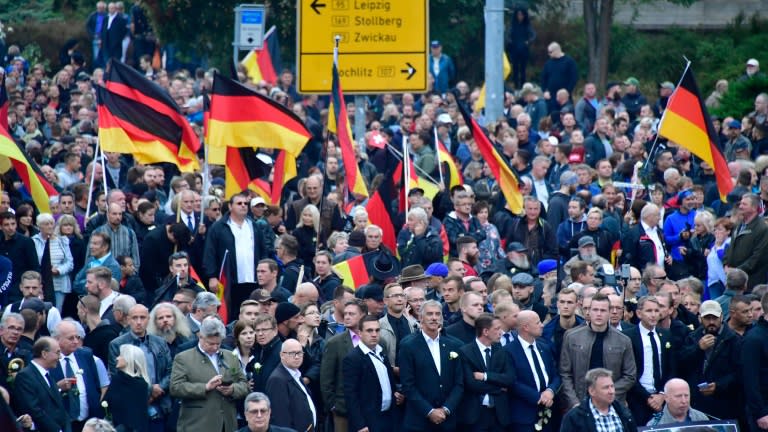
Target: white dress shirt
pixel 107 301
pixel 653 234
pixel 434 349
pixel 481 347
pixel 244 242
pixel 297 377
pixel 214 358
pixel 538 358
pixel 381 372
pixel 80 383
pixel 646 379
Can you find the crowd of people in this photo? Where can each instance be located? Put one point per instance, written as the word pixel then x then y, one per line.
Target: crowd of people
pixel 618 297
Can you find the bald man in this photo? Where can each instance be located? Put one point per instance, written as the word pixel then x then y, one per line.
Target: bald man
pixel 292 406
pixel 306 293
pixel 677 408
pixel 537 377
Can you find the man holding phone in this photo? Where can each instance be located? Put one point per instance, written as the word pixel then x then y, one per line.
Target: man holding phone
pixel 711 359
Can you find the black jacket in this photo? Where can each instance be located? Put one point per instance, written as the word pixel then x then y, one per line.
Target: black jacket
pixel 723 368
pixel 547 247
pixel 34 396
pixel 580 419
pixel 500 377
pixel 290 407
pixel 754 357
pixel 268 356
pixel 127 397
pixel 362 391
pixel 219 239
pixel 424 249
pixel 21 251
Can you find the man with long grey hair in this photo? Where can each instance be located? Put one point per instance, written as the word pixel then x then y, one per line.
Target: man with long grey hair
pixel 167 322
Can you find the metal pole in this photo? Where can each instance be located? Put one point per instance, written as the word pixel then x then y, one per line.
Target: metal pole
pixel 360 120
pixel 494 49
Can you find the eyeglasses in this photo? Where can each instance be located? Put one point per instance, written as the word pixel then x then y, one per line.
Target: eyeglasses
pixel 263 330
pixel 659 277
pixel 312 313
pixel 240 203
pixel 396 295
pixel 178 302
pixel 294 354
pixel 216 209
pixel 258 412
pixel 616 308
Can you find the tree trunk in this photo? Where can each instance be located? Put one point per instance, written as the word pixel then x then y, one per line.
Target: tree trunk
pixel 598 17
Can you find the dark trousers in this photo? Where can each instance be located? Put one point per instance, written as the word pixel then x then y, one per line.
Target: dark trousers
pixel 488 422
pixel 77 426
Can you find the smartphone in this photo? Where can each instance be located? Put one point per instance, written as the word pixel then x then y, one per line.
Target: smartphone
pixel 702 386
pixel 625 271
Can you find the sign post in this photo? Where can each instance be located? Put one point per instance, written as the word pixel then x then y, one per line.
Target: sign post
pixel 249 29
pixel 383 49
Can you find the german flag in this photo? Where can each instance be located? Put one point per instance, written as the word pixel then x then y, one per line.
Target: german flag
pixel 353 272
pixel 129 126
pixel 241 117
pixel 284 170
pixel 12 156
pixel 258 62
pixel 687 123
pixel 444 156
pixel 129 83
pixel 243 170
pixel 222 290
pixel 508 181
pixel 339 124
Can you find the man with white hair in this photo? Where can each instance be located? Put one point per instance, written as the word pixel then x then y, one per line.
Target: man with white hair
pixel 206 304
pixel 644 243
pixel 677 408
pixel 419 243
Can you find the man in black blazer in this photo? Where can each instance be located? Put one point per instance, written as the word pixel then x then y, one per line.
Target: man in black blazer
pixel 35 391
pixel 432 375
pixel 369 384
pixel 646 397
pixel 488 375
pixel 533 389
pixel 293 407
pixel 112 34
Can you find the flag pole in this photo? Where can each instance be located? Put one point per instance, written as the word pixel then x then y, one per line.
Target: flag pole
pixel 420 171
pixel 664 114
pixel 406 172
pixel 437 152
pixel 90 187
pixel 103 168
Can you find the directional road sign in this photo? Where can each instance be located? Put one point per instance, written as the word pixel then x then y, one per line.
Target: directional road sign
pixel 383 48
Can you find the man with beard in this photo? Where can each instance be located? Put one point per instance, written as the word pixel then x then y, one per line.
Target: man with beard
pixel 588 254
pixel 517 260
pixel 711 355
pixel 167 322
pixel 395 325
pixel 522 292
pixel 471 308
pixel 453 289
pixel 676 327
pixel 468 254
pixel 576 223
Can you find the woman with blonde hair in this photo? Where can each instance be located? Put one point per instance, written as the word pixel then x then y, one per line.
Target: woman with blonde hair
pixel 128 393
pixel 308 234
pixel 56 250
pixel 67 227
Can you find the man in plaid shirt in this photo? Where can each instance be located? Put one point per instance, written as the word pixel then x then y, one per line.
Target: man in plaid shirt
pixel 599 412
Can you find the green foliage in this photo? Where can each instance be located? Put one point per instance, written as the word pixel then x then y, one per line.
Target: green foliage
pixel 34 55
pixel 740 98
pixel 12 11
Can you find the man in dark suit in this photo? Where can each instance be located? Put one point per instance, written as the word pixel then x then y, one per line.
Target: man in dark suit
pixel 35 391
pixel 293 404
pixel 537 378
pixel 258 412
pixel 82 400
pixel 369 384
pixel 331 374
pixel 20 250
pixel 488 375
pixel 112 34
pixel 432 375
pixel 471 304
pixel 644 243
pixel 646 397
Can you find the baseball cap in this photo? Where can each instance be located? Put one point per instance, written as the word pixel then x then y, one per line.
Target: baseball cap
pixel 444 118
pixel 734 124
pixel 546 266
pixel 632 81
pixel 435 43
pixel 437 269
pixel 258 200
pixel 667 85
pixel 753 62
pixel 261 295
pixel 34 304
pixel 586 241
pixel 711 307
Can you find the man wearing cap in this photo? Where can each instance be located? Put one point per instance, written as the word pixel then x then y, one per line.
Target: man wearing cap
pixel 258 207
pixel 437 272
pixel 288 317
pixel 522 292
pixel 678 228
pixel 373 297
pixel 753 372
pixel 711 359
pixel 752 70
pixel 517 260
pixel 735 140
pixel 441 68
pixel 588 254
pixel 632 98
pixel 665 91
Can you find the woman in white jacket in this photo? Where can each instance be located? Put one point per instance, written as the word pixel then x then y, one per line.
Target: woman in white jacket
pixel 60 256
